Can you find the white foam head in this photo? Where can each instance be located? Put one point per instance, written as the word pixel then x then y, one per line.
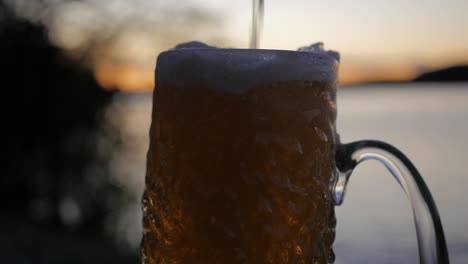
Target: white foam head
pixel 235 70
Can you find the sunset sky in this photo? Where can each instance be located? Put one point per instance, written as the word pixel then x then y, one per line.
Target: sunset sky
pixel 378 39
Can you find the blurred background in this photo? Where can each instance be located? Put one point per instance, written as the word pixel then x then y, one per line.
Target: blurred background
pixel 77 78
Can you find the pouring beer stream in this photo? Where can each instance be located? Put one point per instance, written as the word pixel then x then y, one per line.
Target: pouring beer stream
pixel 257 23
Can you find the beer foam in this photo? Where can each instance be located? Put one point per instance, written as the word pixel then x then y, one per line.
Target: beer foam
pixel 236 70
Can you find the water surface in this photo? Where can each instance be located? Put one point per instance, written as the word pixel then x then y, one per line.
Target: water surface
pixel 428 122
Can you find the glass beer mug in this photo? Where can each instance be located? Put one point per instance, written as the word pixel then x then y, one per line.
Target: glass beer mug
pixel 245 165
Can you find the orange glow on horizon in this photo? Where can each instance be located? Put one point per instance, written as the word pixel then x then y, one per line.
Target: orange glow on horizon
pixel 364 74
pixel 125 78
pixel 137 78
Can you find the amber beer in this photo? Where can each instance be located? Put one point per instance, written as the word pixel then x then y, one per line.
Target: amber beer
pixel 240 164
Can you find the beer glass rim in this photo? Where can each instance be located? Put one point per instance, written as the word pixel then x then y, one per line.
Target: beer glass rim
pixel 329 56
pixel 235 70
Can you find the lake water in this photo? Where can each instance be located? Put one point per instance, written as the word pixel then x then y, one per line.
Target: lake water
pixel 428 122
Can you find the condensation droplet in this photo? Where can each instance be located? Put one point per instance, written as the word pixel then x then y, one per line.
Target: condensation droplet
pixel 321 134
pixel 299 147
pixel 298 250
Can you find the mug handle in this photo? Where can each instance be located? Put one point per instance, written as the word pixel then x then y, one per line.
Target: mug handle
pixel 431 239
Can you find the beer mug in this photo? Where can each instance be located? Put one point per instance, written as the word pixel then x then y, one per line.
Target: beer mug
pixel 245 164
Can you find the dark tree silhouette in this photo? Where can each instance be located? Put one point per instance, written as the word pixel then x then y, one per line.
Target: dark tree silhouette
pixel 50 109
pixel 452 74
